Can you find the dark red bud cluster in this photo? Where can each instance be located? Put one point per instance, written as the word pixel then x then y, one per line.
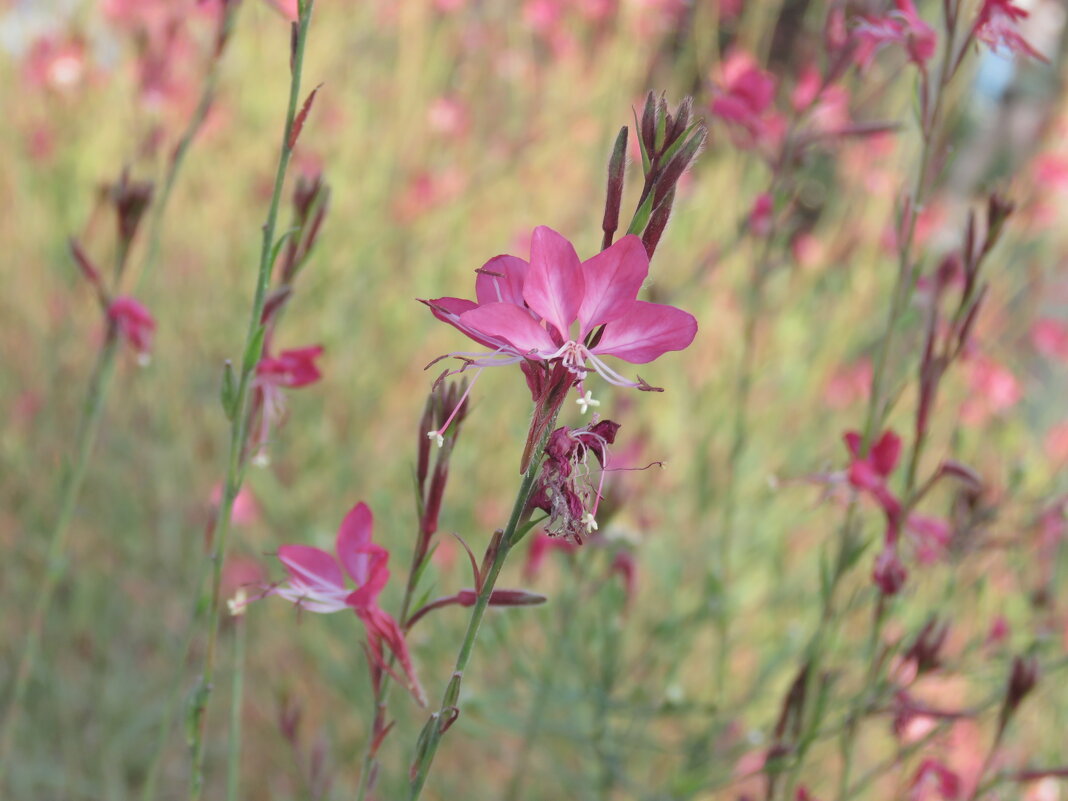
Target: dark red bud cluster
pixel 669 144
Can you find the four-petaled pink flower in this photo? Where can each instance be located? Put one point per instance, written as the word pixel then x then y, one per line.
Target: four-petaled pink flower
pixel 996 27
pixel 135 324
pixel 903 26
pixel 528 310
pixel 871 472
pixel 290 369
pixel 317 583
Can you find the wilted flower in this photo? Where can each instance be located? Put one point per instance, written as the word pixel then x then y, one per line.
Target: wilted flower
pixel 564 490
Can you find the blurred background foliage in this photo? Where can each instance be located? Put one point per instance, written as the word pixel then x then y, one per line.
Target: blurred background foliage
pixel 447 131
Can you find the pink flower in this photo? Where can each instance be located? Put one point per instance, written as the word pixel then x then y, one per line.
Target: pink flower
pixel 996 27
pixel 745 100
pixel 317 584
pixel 1050 338
pixel 901 26
pixel 994 389
pixel 135 324
pixel 291 369
pixel 848 384
pixel 526 311
pixel 56 64
pixel 540 546
pixel 932 536
pixel 871 472
pixel 760 215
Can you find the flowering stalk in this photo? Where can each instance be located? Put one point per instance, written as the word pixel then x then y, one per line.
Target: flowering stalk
pixel 239 407
pixel 847 551
pixel 124 319
pixel 440 721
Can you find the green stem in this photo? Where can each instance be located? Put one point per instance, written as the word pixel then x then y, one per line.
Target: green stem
pixel 251 353
pixel 532 728
pixel 55 566
pixel 237 692
pixel 432 732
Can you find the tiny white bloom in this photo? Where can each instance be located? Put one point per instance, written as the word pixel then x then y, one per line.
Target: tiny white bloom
pixel 436 436
pixel 237 604
pixel 589 522
pixel 586 401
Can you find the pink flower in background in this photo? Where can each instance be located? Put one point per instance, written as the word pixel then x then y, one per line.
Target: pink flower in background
pixel 931 535
pixel 287 8
pixel 745 100
pixel 448 116
pixel 871 472
pixel 760 215
pixel 541 545
pixel 245 510
pixel 290 369
pixel 994 389
pixel 997 26
pixel 57 64
pixel 1056 443
pixel 135 324
pixel 317 583
pixel 1050 338
pixel 902 26
pixel 527 311
pixel 848 384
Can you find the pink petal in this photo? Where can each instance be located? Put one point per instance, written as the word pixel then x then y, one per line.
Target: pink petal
pixel 612 279
pixel 885 453
pixel 375 573
pixel 505 288
pixel 353 538
pixel 646 332
pixel 448 310
pixel 312 567
pixel 382 628
pixel 554 283
pixel 509 322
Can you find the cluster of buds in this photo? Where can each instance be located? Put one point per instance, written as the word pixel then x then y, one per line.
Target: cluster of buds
pixel 669 144
pixel 565 490
pixel 947 338
pixel 295 367
pixel 126 318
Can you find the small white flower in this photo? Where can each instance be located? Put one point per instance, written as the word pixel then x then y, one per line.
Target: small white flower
pixel 589 522
pixel 238 603
pixel 437 437
pixel 586 401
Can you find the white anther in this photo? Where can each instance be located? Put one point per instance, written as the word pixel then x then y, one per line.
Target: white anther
pixel 586 401
pixel 589 522
pixel 437 437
